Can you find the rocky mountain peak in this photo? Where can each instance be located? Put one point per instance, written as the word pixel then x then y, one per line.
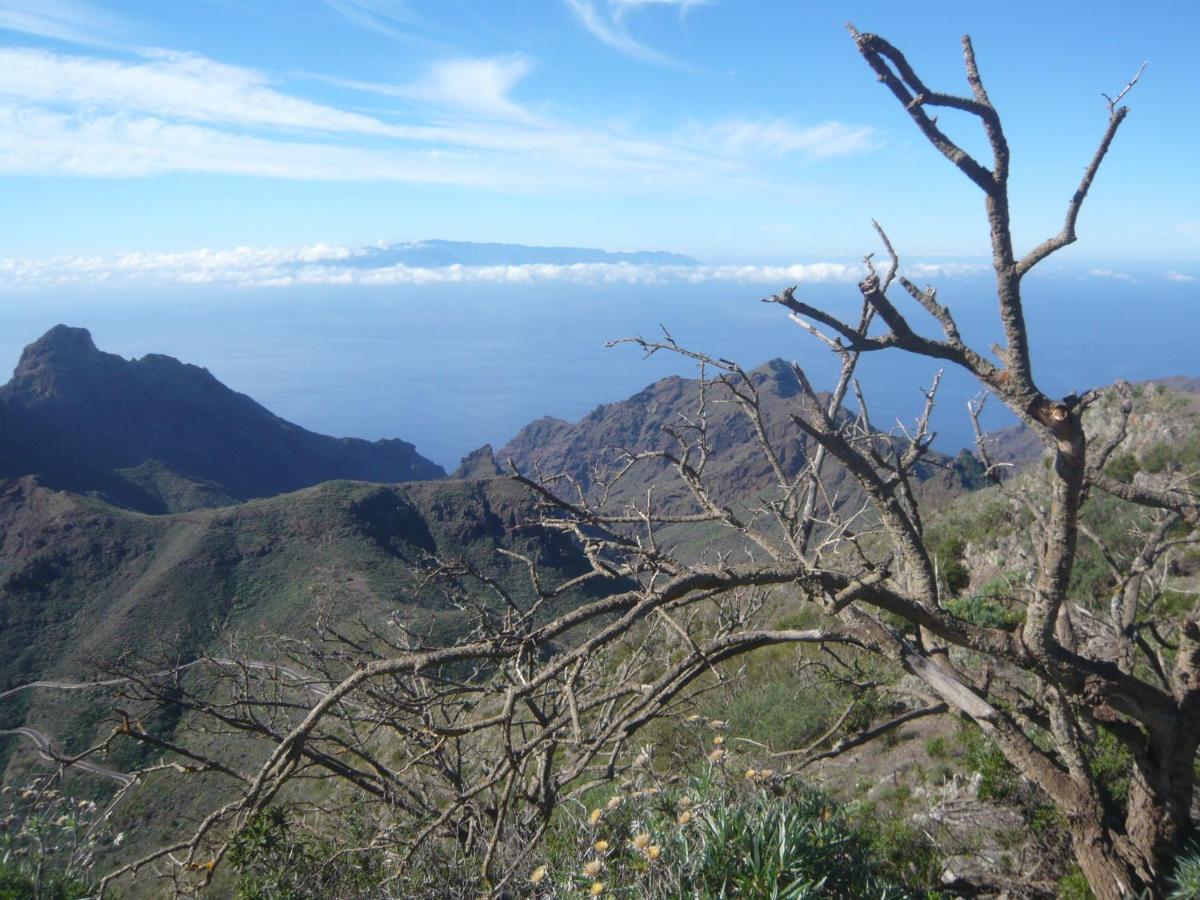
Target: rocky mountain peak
pixel 62 344
pixel 91 421
pixel 479 463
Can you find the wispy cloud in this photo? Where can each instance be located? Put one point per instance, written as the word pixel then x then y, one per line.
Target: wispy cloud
pixel 782 138
pixel 945 270
pixel 607 22
pixel 165 111
pixel 1180 277
pixel 163 83
pixel 391 18
pixel 325 264
pixel 1109 273
pixel 75 21
pixel 474 86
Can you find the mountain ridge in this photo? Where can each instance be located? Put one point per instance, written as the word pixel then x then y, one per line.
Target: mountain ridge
pixel 143 433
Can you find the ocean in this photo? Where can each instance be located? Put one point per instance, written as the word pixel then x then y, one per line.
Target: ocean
pixel 451 367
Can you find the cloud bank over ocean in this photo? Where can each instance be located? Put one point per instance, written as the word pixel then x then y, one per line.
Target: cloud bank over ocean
pixel 422 263
pixel 463 262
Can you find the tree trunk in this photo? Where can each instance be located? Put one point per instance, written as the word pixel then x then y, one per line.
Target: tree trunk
pixel 1159 817
pixel 1109 876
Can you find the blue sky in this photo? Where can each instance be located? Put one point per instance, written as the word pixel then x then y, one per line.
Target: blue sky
pixel 165 135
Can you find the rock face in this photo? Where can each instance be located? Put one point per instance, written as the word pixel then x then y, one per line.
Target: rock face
pixel 735 467
pixel 155 434
pixel 479 463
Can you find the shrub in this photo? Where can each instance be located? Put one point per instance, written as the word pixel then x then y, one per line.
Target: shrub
pixel 1185 882
pixel 1073 886
pixel 728 832
pixel 276 861
pixel 955 574
pixel 998 779
pixel 983 609
pixel 1123 467
pixel 47 843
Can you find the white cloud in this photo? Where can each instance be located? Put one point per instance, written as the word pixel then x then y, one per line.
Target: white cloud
pixel 945 270
pixel 177 85
pixel 34 142
pixel 781 138
pixel 176 112
pixel 1109 273
pixel 1180 277
pixel 390 18
pixel 608 25
pixel 324 264
pixel 64 20
pixel 477 86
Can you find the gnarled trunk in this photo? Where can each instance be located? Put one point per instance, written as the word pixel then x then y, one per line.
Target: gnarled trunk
pixel 1108 874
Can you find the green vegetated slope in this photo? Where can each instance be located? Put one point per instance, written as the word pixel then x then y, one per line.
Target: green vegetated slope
pixel 984 537
pixel 82 582
pixel 945 779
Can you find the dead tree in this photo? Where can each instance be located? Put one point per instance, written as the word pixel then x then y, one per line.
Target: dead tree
pixel 478 741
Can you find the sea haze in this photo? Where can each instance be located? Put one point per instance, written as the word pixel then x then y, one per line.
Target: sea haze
pixel 450 367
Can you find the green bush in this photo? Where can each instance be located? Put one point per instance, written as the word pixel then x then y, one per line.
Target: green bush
pixel 1073 886
pixel 728 832
pixel 999 780
pixel 1158 458
pixel 275 861
pixel 20 882
pixel 1112 764
pixel 1123 467
pixel 1185 882
pixel 937 747
pixel 986 610
pixel 949 555
pixel 48 843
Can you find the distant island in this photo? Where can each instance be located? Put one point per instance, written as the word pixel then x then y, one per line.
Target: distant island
pixel 438 253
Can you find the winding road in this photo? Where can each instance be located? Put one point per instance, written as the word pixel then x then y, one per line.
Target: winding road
pixel 46 751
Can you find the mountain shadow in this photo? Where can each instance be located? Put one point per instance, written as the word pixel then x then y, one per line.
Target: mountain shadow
pixel 158 435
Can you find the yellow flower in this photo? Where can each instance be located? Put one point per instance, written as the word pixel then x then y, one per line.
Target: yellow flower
pixel 613 803
pixel 684 817
pixel 716 755
pixel 641 841
pixel 592 868
pixel 538 874
pixel 717 724
pixel 718 740
pixel 766 773
pixel 694 717
pixel 595 816
pixel 601 846
pixel 654 851
pixel 597 888
pixel 750 773
pixel 685 802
